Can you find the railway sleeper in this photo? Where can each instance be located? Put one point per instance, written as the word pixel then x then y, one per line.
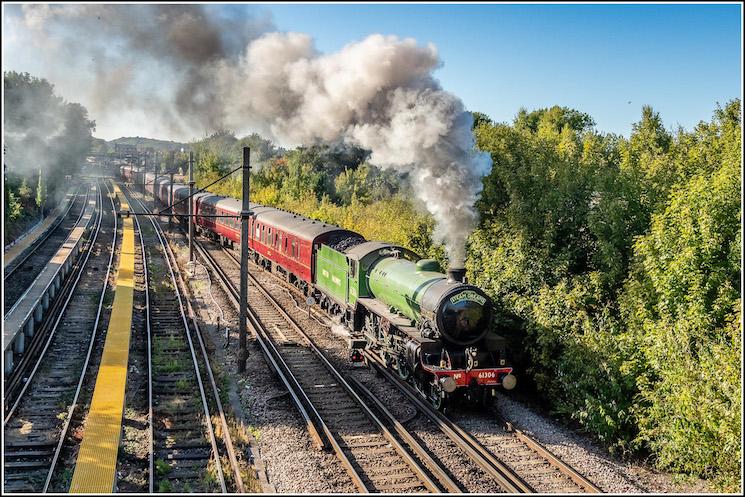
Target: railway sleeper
pixel 185 427
pixel 189 444
pixel 531 462
pixel 358 445
pixel 25 477
pixel 176 455
pixel 340 408
pixel 31 443
pixel 184 474
pixel 28 453
pixel 400 486
pixel 404 477
pixel 542 472
pixel 383 470
pixel 26 464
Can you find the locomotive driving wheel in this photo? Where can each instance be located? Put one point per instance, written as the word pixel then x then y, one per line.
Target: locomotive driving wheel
pixel 404 371
pixel 436 397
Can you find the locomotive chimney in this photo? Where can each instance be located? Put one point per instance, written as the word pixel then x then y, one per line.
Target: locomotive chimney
pixel 456 274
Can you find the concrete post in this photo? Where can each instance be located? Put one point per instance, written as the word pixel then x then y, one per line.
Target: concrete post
pixel 28 328
pixel 191 207
pixel 8 361
pixel 19 344
pixel 243 308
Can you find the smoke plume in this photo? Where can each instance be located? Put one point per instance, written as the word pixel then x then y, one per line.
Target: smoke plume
pixel 199 72
pixel 378 94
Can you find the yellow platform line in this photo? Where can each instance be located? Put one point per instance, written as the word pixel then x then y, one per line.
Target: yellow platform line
pixel 95 470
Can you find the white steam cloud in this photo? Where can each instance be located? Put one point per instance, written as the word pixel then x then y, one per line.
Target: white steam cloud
pixel 378 93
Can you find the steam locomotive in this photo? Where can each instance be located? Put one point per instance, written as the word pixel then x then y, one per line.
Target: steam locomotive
pixel 430 327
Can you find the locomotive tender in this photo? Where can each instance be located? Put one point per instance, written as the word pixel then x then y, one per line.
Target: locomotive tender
pixel 430 327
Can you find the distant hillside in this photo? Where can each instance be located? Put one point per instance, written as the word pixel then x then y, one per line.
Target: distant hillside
pixel 143 142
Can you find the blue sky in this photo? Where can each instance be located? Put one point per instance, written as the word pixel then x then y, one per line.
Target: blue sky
pixel 605 59
pixel 681 59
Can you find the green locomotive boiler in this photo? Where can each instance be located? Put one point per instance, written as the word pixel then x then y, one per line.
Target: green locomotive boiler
pixel 430 327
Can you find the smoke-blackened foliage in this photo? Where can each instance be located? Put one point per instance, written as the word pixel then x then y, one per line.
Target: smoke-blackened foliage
pixel 44 135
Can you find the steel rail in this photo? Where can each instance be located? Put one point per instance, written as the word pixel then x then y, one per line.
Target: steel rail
pixel 205 357
pixel 300 398
pixel 203 395
pixel 68 418
pixel 67 237
pixel 435 468
pixel 40 241
pixel 232 294
pixel 418 470
pixel 509 480
pixel 533 444
pixel 57 310
pixel 148 330
pixel 544 452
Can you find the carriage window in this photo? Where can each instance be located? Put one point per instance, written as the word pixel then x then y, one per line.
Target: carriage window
pixel 294 248
pixel 285 251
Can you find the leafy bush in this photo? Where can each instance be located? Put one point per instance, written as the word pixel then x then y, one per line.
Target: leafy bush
pixel 621 261
pixel 614 264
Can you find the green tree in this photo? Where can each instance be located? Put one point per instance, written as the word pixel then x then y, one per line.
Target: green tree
pixel 682 303
pixel 13 207
pixel 480 118
pixel 24 191
pixel 41 194
pixel 353 182
pixel 614 265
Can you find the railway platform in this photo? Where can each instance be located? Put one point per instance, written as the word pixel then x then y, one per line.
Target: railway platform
pixel 20 247
pixel 23 319
pixel 95 470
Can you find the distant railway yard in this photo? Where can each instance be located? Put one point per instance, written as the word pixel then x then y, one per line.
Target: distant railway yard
pixel 123 361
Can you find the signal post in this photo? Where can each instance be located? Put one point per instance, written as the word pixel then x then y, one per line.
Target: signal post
pixel 243 306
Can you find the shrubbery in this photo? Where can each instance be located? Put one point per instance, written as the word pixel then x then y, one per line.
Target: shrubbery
pixel 46 139
pixel 622 260
pixel 614 263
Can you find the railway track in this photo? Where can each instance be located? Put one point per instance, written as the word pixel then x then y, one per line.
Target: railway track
pixel 184 450
pixel 336 414
pixel 516 461
pixel 24 271
pixel 42 393
pixel 522 456
pixel 523 465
